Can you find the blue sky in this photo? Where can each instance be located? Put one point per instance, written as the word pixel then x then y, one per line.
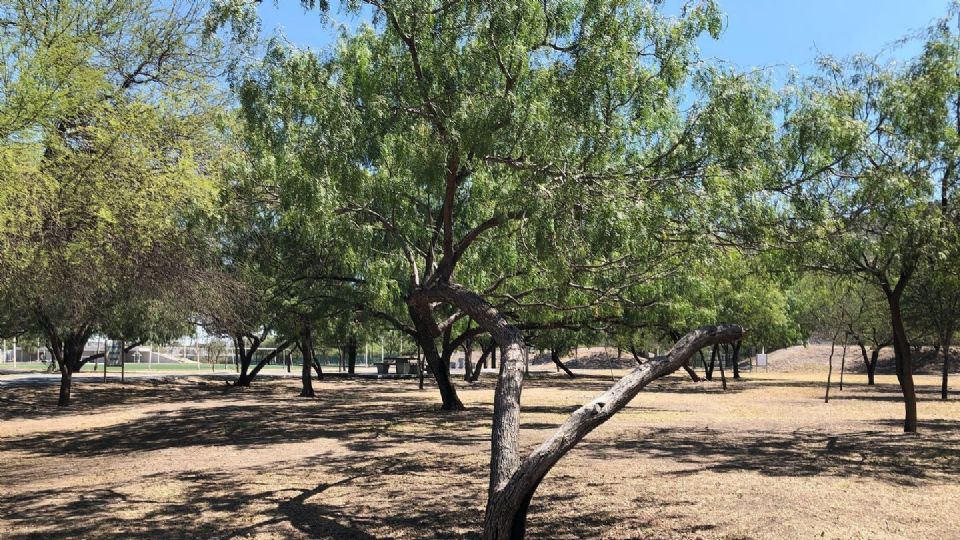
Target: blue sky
pixel 759 33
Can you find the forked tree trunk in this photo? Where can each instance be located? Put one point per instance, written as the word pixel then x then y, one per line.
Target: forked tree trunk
pixel 509 500
pixel 481 363
pixel 246 378
pixel 708 371
pixel 513 480
pixel 68 354
pixel 423 321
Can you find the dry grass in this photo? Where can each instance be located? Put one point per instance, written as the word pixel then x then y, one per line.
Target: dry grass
pixel 766 459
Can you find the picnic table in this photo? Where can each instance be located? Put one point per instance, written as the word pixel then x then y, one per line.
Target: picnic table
pixel 405 365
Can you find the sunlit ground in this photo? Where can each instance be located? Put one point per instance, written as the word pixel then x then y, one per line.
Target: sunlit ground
pixel 197 459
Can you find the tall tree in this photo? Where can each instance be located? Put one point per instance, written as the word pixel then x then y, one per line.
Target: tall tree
pixel 548 136
pixel 105 134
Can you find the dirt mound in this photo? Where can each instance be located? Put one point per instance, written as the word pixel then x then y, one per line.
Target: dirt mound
pixel 590 358
pixel 816 357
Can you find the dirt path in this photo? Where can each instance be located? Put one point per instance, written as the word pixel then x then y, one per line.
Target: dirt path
pixel 367 459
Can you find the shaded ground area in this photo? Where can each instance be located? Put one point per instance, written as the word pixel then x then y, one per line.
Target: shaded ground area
pixel 192 458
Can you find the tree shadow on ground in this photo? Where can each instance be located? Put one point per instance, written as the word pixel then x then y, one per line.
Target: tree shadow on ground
pixel 895 458
pixel 451 509
pixel 359 426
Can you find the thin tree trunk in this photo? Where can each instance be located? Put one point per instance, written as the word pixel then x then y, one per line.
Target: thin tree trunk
pixel 946 366
pixel 481 363
pixel 420 368
pixel 904 360
pixel 736 360
pixel 826 395
pixel 863 352
pixel 843 361
pixel 555 357
pixel 306 349
pixel 713 358
pixel 693 374
pixel 723 376
pixel 872 367
pixel 467 362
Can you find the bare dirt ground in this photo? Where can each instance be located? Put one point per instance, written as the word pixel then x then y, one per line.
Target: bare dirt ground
pixel 368 459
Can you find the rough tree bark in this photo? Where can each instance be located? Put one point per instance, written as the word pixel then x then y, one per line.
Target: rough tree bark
pixel 510 497
pixel 513 480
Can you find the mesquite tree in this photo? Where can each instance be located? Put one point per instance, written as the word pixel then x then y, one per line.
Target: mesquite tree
pixel 861 191
pixel 501 155
pixel 103 182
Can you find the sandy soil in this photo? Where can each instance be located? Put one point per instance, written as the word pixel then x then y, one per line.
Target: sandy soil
pixel 367 459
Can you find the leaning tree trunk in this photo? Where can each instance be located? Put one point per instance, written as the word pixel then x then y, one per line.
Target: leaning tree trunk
pixel 509 500
pixel 555 357
pixel 481 363
pixel 422 317
pixel 246 380
pixel 512 480
pixel 904 361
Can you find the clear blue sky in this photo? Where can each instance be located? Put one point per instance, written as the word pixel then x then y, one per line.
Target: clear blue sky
pixel 759 33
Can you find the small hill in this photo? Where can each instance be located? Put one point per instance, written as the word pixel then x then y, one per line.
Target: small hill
pixel 816 357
